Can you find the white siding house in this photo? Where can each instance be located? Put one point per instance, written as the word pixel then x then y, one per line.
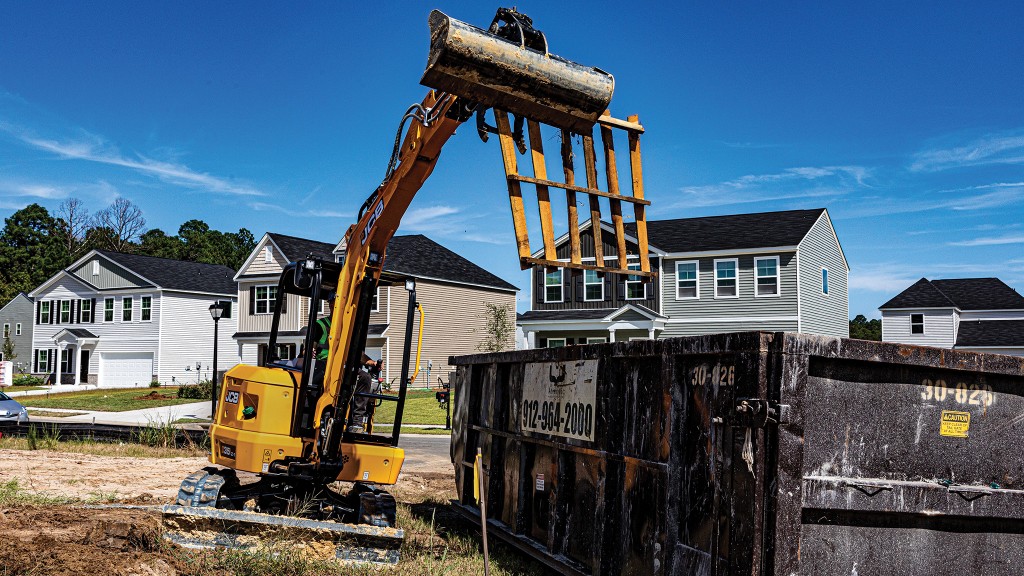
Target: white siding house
pixel 122 320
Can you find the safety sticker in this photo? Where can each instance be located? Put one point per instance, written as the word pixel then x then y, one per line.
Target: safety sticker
pixel 266 468
pixel 955 424
pixel 266 456
pixel 540 483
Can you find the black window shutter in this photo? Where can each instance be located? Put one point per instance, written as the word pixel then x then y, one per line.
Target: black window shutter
pixel 39 308
pixel 566 285
pixel 580 286
pixel 620 288
pixel 92 314
pixel 78 319
pixel 35 361
pixel 284 303
pixel 538 284
pixel 608 287
pixel 49 361
pixel 52 314
pixel 252 300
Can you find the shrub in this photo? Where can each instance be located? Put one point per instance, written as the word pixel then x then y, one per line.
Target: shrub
pixel 27 380
pixel 154 384
pixel 201 391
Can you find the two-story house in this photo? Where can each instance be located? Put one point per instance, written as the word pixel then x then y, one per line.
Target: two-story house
pixel 778 271
pixel 16 319
pixel 117 319
pixel 453 292
pixel 980 314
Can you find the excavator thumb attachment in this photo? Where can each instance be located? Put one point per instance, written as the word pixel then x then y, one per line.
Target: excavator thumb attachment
pixel 509 68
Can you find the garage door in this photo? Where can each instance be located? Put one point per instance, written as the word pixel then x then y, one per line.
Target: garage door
pixel 126 369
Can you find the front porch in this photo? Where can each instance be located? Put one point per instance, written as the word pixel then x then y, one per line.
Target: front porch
pixel 552 328
pixel 76 348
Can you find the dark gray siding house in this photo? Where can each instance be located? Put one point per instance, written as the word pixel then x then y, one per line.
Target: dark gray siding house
pixel 16 321
pixel 778 271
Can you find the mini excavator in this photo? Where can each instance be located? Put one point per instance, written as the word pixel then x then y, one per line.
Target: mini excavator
pixel 288 425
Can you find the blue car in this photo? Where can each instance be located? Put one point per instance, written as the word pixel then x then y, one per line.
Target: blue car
pixel 11 410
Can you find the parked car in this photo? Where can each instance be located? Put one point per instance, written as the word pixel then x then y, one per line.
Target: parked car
pixel 11 410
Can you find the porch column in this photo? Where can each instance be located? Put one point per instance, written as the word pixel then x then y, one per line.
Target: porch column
pixel 77 358
pixel 56 362
pixel 531 339
pixel 650 333
pixel 611 335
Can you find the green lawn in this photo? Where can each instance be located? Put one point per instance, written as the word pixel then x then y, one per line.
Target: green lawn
pixel 119 400
pixel 420 408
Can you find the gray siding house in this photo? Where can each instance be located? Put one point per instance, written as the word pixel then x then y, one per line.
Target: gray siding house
pixel 16 321
pixel 453 292
pixel 123 320
pixel 778 271
pixel 979 314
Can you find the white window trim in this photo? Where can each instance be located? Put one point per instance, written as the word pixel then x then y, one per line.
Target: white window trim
pixel 43 357
pixel 696 264
pixel 113 311
pixel 95 267
pixel 626 282
pixel 150 296
pixel 377 300
pixel 269 299
pixel 736 264
pixel 600 282
pixel 824 281
pixel 65 361
pixel 924 325
pixel 561 287
pixel 550 340
pixel 268 255
pixel 49 311
pixel 597 339
pixel 60 312
pixel 17 329
pixel 778 277
pixel 81 310
pixel 7 330
pixel 131 309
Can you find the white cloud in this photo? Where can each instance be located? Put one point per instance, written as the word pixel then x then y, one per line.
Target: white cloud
pixel 889 279
pixel 315 212
pixel 428 219
pixel 990 241
pixel 792 183
pixel 989 149
pixel 16 189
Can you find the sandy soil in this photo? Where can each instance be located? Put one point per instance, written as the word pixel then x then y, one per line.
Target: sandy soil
pixel 74 540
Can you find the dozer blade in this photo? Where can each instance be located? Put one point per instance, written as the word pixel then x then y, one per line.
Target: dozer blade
pixel 483 67
pixel 201 527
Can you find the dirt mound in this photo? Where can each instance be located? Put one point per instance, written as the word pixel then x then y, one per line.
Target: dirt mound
pixel 154 395
pixel 66 540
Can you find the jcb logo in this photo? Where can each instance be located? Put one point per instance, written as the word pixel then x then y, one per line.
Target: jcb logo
pixel 373 220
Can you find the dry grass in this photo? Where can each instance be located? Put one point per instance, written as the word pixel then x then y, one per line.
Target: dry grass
pixel 131 450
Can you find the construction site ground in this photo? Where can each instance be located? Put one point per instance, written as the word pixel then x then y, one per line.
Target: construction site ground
pixel 46 535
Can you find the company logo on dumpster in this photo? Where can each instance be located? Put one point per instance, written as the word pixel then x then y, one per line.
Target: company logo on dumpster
pixel 559 399
pixel 955 424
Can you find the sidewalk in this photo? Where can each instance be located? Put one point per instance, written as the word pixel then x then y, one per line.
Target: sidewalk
pixel 143 417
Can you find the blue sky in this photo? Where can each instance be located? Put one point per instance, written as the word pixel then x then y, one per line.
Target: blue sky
pixel 905 120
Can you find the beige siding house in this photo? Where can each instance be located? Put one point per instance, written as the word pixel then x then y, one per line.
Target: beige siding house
pixel 453 292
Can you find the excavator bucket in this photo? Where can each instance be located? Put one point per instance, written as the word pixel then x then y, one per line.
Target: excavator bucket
pixel 515 74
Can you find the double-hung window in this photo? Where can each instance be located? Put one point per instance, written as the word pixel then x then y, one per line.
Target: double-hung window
pixel 917 323
pixel 146 308
pixel 126 309
pixel 265 297
pixel 108 309
pixel 43 361
pixel 635 289
pixel 374 306
pixel 556 342
pixel 65 311
pixel 7 330
pixel 65 361
pixel 85 309
pixel 686 280
pixel 726 278
pixel 766 276
pixel 17 329
pixel 44 312
pixel 593 286
pixel 553 286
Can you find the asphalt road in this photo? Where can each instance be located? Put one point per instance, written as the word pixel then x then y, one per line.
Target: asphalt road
pixel 426 453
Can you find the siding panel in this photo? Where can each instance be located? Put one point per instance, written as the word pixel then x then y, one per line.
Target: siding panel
pixel 187 338
pixel 938 327
pixel 747 305
pixel 823 314
pixel 111 276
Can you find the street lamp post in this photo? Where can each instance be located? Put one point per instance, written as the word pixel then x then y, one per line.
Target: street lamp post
pixel 216 311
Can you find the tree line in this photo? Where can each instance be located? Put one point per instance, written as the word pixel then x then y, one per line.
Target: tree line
pixel 35 244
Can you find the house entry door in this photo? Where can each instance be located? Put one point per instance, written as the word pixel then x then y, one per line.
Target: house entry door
pixel 84 378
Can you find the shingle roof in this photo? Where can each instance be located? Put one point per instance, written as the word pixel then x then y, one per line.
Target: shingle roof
pixel 178 274
pixel 732 232
pixel 81 333
pixel 990 333
pixel 588 314
pixel 298 248
pixel 962 293
pixel 417 255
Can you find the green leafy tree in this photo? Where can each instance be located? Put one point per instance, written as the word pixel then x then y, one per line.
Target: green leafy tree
pixel 30 251
pixel 499 328
pixel 157 243
pixel 863 329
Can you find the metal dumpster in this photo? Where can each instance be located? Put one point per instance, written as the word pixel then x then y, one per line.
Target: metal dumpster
pixel 752 453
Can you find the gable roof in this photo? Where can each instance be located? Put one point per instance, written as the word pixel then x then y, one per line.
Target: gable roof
pixel 730 232
pixel 962 293
pixel 16 296
pixel 295 249
pixel 179 275
pixel 994 333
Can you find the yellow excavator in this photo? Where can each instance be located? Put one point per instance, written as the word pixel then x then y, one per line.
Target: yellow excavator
pixel 288 423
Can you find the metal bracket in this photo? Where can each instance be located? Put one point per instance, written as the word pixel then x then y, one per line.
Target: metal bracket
pixel 756 413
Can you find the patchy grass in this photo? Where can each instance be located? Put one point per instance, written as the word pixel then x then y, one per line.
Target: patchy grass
pixel 420 408
pixel 12 494
pixel 192 421
pixel 13 392
pixel 433 430
pixel 118 400
pixel 131 450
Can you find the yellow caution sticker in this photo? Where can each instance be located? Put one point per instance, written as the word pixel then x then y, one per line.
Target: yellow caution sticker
pixel 266 456
pixel 955 424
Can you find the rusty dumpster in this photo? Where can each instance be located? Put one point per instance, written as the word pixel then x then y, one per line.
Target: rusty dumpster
pixel 753 453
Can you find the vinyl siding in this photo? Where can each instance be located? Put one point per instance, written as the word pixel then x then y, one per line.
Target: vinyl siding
pixel 966 315
pixel 747 305
pixel 187 338
pixel 259 264
pixel 720 327
pixel 20 310
pixel 111 275
pixel 825 314
pixel 938 327
pixel 292 319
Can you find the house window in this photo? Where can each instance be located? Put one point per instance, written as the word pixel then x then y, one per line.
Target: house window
pixel 146 308
pixel 65 311
pixel 95 267
pixel 726 285
pixel 7 330
pixel 686 281
pixel 85 308
pixel 597 340
pixel 766 276
pixel 108 309
pixel 824 280
pixel 44 312
pixel 553 288
pixel 268 256
pixel 265 296
pixel 917 323
pixel 556 342
pixel 17 329
pixel 43 361
pixel 593 286
pixel 126 309
pixel 635 289
pixel 375 305
pixel 65 361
